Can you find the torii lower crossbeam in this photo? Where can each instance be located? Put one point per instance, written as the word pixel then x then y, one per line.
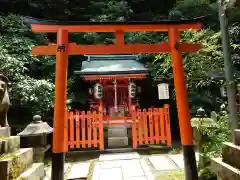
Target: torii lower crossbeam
pixel 74 49
pixel 63 48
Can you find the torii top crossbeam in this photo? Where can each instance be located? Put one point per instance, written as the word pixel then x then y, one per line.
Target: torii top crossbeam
pixel 118 28
pixel 115 27
pixel 39 25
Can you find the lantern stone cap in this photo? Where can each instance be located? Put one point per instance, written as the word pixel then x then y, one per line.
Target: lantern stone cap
pixel 37 127
pixel 201 112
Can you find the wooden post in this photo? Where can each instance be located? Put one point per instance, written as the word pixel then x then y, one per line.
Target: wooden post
pixel 115 96
pixel 129 100
pixel 60 105
pixel 183 107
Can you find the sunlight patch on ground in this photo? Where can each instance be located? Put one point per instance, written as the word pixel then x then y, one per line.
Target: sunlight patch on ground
pixel 174 175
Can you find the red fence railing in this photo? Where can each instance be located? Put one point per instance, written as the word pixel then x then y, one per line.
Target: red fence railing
pixel 85 130
pixel 152 126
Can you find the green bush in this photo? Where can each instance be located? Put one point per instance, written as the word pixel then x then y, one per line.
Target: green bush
pixel 210 146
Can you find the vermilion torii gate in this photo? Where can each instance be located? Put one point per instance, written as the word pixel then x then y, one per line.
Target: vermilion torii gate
pixel 64 48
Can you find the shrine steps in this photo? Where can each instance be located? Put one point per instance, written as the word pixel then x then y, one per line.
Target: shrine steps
pixel 18 163
pixel 9 144
pixel 34 172
pixel 117 132
pixel 117 136
pixel 228 167
pixel 5 131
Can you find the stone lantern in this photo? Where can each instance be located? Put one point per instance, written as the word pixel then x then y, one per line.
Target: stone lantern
pixel 201 120
pixel 35 136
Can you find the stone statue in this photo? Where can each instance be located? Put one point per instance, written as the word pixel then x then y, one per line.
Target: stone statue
pixel 4 101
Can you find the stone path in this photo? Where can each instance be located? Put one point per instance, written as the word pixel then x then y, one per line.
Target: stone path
pixel 124 166
pixel 79 170
pixel 167 162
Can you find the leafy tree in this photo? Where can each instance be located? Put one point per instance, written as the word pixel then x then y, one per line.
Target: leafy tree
pixel 199 8
pixel 197 66
pixel 31 78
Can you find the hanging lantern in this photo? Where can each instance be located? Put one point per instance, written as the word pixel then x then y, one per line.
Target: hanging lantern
pixel 132 89
pixel 163 91
pixel 90 91
pixel 98 91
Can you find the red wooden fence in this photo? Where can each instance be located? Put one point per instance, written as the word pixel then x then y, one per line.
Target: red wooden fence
pixel 85 129
pixel 151 127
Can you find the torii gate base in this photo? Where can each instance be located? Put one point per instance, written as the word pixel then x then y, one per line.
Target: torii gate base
pixel 63 48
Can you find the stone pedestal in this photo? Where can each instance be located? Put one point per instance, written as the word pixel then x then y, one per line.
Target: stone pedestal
pixel 5 131
pixel 39 153
pixel 39 145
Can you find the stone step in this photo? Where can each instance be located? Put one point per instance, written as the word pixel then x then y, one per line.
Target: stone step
pixel 118 124
pixel 46 178
pixel 117 141
pixel 13 164
pixel 34 172
pixel 224 171
pixel 117 132
pixel 9 144
pixel 231 154
pixel 237 136
pixel 5 132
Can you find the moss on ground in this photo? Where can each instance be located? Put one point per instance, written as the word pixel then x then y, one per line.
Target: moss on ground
pixel 90 171
pixel 7 156
pixel 5 138
pixel 178 175
pixel 17 164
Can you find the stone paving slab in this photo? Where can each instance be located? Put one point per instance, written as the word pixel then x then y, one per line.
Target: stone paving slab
pixel 118 156
pixel 137 178
pixel 49 169
pixel 168 161
pixel 178 160
pixel 111 174
pixel 96 172
pixel 132 168
pixel 162 163
pixel 111 164
pixel 79 170
pixel 146 169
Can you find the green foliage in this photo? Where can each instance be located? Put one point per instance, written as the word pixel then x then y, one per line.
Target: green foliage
pixel 211 143
pixel 197 67
pixel 199 8
pixel 31 81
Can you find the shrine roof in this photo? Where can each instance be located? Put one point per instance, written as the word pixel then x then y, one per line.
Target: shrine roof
pixel 111 65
